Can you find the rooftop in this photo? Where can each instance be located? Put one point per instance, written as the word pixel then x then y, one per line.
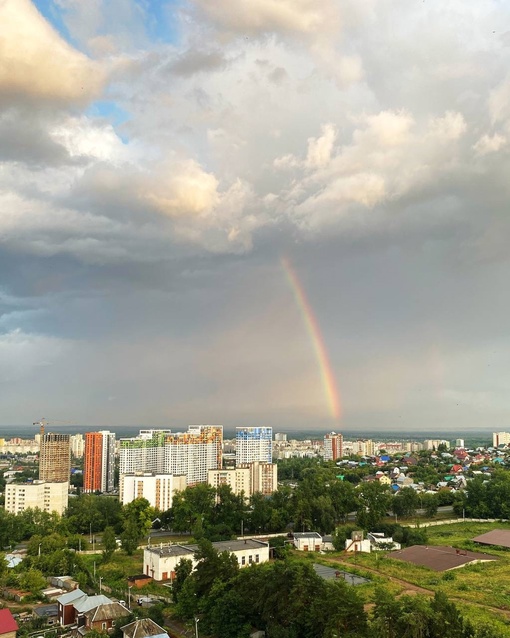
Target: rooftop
pixel 220 546
pixel 7 622
pixel 500 537
pixel 439 557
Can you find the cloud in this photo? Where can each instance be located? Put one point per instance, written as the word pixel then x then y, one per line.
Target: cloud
pixel 490 144
pixel 22 354
pixel 257 17
pixel 28 71
pixel 319 150
pixel 193 61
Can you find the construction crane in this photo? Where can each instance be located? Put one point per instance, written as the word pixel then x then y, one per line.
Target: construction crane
pixel 44 422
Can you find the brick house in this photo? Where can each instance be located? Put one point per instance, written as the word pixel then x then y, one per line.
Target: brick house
pixel 8 626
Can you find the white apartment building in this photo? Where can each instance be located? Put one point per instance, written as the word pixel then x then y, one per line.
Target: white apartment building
pixel 194 452
pixel 143 453
pixel 237 479
pixel 254 444
pixel 158 489
pixel 160 562
pixel 248 478
pixel 49 497
pixel 500 438
pixel 190 453
pixel 77 446
pixel 433 444
pixel 263 477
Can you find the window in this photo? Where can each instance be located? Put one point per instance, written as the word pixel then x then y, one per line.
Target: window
pixel 103 625
pixel 243 560
pixel 250 559
pixel 256 558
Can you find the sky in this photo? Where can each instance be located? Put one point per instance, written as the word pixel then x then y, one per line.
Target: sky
pixel 263 212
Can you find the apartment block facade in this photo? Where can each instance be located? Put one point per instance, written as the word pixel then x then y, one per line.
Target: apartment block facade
pixel 190 453
pixel 158 489
pixel 333 446
pixel 254 444
pixel 55 457
pixel 99 463
pixel 49 497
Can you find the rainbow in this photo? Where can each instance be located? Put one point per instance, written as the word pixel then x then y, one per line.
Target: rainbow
pixel 312 327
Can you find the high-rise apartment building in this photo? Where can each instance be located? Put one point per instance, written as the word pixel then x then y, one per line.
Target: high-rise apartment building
pixel 254 444
pixel 143 453
pixel 333 446
pixel 55 458
pixel 99 465
pixel 500 438
pixel 77 446
pixel 194 452
pixel 191 453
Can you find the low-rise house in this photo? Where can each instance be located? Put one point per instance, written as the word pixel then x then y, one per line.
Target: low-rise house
pixel 379 541
pixel 47 613
pixel 143 628
pixel 104 617
pixel 66 610
pixel 8 626
pixel 160 561
pixel 13 560
pixel 357 543
pixel 307 541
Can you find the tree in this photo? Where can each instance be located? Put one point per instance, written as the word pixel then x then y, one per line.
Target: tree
pixel 33 581
pixel 430 503
pixel 182 570
pixel 109 543
pixel 192 505
pixel 130 536
pixel 405 502
pixel 374 501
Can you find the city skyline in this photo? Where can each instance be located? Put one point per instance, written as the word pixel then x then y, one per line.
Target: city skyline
pixel 291 215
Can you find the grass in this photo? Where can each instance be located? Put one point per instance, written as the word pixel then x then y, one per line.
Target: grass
pixel 483 583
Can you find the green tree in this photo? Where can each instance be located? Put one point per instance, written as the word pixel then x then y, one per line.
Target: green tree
pixel 405 502
pixel 182 570
pixel 130 536
pixel 109 543
pixel 374 500
pixel 33 581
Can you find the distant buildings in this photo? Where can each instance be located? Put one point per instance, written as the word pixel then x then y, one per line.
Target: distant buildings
pixel 333 446
pixel 143 453
pixel 190 453
pixel 55 458
pixel 194 452
pixel 49 497
pixel 433 444
pixel 99 465
pixel 254 444
pixel 77 446
pixel 158 489
pixel 500 438
pixel 247 478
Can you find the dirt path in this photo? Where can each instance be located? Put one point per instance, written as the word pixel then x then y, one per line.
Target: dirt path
pixel 411 589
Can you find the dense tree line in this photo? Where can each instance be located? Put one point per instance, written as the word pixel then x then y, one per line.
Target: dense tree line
pixel 486 498
pixel 287 599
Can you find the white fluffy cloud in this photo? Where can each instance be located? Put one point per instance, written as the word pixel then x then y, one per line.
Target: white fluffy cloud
pixel 36 63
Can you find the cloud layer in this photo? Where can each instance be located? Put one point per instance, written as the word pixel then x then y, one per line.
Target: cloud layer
pixel 157 161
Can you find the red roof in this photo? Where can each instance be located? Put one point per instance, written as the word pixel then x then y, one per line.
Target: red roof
pixel 7 622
